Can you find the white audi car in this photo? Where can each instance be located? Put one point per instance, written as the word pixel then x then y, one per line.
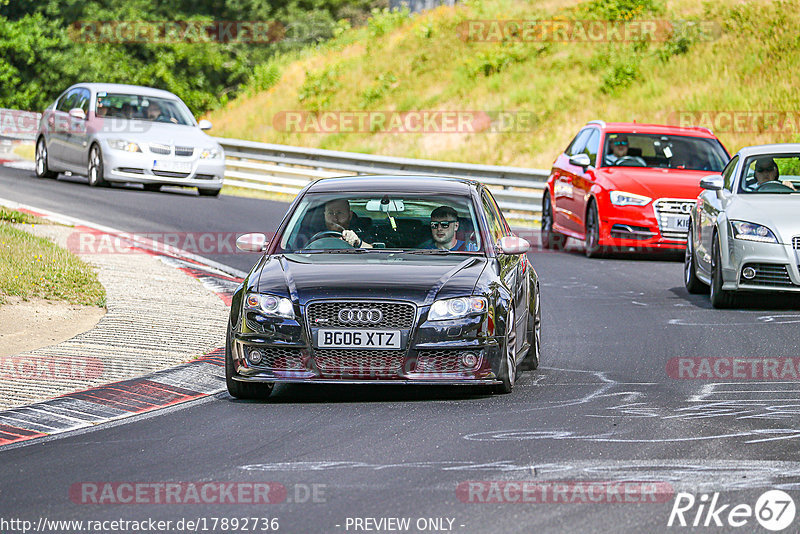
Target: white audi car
pixel 128 133
pixel 744 232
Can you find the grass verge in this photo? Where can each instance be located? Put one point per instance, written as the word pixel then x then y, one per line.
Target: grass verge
pixel 32 266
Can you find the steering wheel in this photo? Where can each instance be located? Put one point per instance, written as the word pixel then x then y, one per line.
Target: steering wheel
pixel 629 161
pixel 773 187
pixel 334 240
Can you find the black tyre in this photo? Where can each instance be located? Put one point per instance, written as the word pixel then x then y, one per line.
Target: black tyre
pixel 531 360
pixel 508 366
pixel 690 280
pixel 592 238
pixel 208 192
pixel 550 239
pixel 96 170
pixel 243 390
pixel 720 298
pixel 42 169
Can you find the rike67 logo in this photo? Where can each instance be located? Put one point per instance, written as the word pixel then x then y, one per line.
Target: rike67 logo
pixel 774 510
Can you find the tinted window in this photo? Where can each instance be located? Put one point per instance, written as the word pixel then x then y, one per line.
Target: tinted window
pixel 593 145
pixel 727 174
pixel 82 99
pixel 771 173
pixel 664 152
pixel 68 101
pixel 497 227
pixel 579 143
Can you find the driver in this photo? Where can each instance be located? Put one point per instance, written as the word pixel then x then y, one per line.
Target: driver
pixel 766 170
pixel 619 150
pixel 338 218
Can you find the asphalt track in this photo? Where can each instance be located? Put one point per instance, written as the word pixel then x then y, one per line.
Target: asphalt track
pixel 606 405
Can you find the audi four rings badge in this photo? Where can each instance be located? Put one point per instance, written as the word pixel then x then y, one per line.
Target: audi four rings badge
pixel 360 315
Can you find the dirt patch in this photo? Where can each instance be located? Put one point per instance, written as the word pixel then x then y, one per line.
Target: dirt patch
pixel 36 323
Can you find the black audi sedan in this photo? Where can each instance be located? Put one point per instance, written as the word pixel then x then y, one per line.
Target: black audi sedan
pixel 385 279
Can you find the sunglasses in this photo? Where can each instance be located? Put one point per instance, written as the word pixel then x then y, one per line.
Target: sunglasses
pixel 443 224
pixel 621 143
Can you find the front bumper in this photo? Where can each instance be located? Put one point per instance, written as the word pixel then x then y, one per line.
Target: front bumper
pixel 432 354
pixel 777 266
pixel 646 227
pixel 138 167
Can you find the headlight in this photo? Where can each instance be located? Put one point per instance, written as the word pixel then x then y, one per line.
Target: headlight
pixel 752 232
pixel 456 308
pixel 621 198
pixel 122 144
pixel 269 305
pixel 210 153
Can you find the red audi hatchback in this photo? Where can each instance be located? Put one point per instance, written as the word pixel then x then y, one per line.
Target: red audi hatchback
pixel 624 185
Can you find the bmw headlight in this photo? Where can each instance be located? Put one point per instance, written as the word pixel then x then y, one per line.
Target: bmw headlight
pixel 622 198
pixel 122 144
pixel 269 305
pixel 456 308
pixel 748 231
pixel 210 153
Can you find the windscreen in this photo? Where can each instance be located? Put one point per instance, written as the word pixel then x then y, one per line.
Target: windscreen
pixel 393 221
pixel 664 152
pixel 771 173
pixel 145 108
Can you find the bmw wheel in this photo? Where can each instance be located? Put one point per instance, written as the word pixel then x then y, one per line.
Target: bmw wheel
pixel 720 298
pixel 508 366
pixel 96 170
pixel 690 280
pixel 42 170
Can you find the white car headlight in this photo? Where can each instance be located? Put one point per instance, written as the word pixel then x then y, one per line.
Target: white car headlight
pixel 748 231
pixel 622 198
pixel 269 305
pixel 456 308
pixel 210 153
pixel 122 144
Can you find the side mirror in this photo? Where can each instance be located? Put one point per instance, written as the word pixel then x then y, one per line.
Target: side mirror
pixel 204 124
pixel 712 182
pixel 77 113
pixel 512 244
pixel 580 160
pixel 252 243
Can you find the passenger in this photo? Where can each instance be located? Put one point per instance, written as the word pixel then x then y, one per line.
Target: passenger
pixel 154 113
pixel 444 224
pixel 339 217
pixel 766 170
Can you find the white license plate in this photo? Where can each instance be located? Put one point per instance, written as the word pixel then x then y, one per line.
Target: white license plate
pixel 678 223
pixel 342 338
pixel 171 166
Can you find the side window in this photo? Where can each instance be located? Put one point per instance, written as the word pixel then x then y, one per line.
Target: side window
pixel 727 173
pixel 592 146
pixel 83 100
pixel 64 104
pixel 579 143
pixel 493 218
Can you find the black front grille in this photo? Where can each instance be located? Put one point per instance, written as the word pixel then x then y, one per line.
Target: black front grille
pixel 767 274
pixel 395 314
pixel 160 149
pixel 359 363
pixel 441 361
pixel 279 359
pixel 184 151
pixel 627 231
pixel 130 170
pixel 204 176
pixel 170 174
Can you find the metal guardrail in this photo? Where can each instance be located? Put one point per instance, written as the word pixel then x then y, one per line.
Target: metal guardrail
pixel 287 169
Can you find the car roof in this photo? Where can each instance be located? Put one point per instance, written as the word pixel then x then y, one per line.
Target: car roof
pixel 126 89
pixel 411 184
pixel 635 127
pixel 777 148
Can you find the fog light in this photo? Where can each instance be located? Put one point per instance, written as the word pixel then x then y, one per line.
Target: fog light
pixel 469 359
pixel 749 273
pixel 254 356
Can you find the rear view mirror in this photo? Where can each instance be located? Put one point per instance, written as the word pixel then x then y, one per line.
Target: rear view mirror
pixel 712 182
pixel 512 244
pixel 386 205
pixel 252 243
pixel 580 160
pixel 77 113
pixel 204 124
